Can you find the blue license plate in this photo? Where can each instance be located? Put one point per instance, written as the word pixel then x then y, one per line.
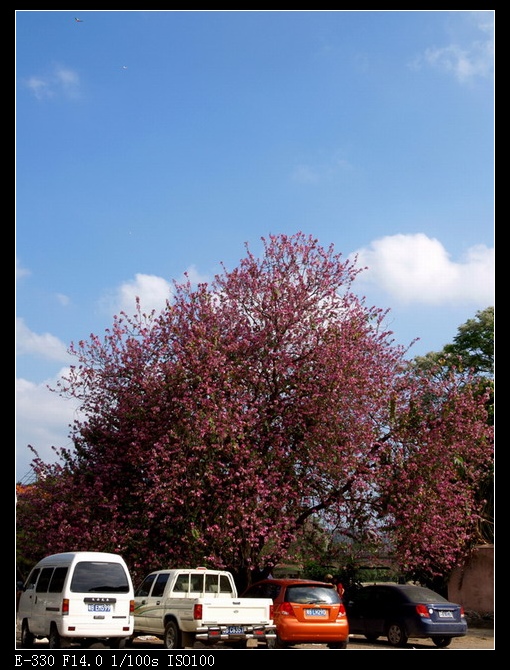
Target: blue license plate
pixel 100 607
pixel 235 630
pixel 316 612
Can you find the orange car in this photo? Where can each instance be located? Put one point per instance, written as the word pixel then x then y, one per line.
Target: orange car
pixel 304 611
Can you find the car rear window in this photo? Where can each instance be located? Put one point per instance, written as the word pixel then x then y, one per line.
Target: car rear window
pixel 97 577
pixel 419 594
pixel 312 594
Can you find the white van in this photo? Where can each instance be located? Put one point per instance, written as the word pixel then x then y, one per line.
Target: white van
pixel 77 596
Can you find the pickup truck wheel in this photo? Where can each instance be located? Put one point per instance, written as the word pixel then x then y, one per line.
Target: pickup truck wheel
pixel 172 636
pixel 119 642
pixel 188 639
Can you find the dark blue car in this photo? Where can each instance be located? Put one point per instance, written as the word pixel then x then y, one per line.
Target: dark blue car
pixel 401 611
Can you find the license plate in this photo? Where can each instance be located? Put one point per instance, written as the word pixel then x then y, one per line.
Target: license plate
pixel 316 612
pixel 100 607
pixel 445 615
pixel 235 630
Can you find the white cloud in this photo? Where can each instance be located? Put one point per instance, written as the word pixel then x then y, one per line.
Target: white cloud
pixel 417 269
pixel 60 81
pixel 44 345
pixel 470 54
pixel 21 271
pixel 63 299
pixel 151 290
pixel 40 87
pixel 464 64
pixel 195 277
pixel 305 174
pixel 42 420
pixel 311 174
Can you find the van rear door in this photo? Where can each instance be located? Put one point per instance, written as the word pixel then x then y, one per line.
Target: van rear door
pixel 99 598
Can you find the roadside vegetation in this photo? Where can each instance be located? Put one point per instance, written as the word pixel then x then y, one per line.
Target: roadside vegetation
pixel 269 417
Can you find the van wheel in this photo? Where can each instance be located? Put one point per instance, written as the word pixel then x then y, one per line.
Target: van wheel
pixel 27 638
pixel 54 639
pixel 172 636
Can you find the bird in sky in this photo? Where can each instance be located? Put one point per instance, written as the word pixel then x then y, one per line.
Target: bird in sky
pixel 78 20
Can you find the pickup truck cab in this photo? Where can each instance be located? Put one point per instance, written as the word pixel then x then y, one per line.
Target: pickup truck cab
pixel 182 605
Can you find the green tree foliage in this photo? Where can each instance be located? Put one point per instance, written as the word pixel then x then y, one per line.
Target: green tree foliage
pixel 218 430
pixel 472 350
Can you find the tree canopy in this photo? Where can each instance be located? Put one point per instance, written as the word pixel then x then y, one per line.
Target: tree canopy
pixel 215 430
pixel 472 347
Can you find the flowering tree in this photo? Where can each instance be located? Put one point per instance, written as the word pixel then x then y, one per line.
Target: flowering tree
pixel 215 430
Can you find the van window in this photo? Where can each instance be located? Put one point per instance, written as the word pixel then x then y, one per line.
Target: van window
pixel 99 577
pixel 57 580
pixel 44 580
pixel 32 578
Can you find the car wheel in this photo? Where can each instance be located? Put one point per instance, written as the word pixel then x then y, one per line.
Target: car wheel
pixel 27 639
pixel 442 642
pixel 396 634
pixel 338 645
pixel 172 636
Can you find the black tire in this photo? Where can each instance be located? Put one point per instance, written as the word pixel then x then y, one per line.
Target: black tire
pixel 396 635
pixel 27 638
pixel 372 638
pixel 54 639
pixel 238 644
pixel 187 639
pixel 442 642
pixel 118 642
pixel 338 645
pixel 172 636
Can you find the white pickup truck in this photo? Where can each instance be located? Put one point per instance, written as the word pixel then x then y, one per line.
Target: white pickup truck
pixel 182 605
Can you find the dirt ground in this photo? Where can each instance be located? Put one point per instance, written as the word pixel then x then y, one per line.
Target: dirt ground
pixel 476 639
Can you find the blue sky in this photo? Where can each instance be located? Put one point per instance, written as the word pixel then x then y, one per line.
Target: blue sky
pixel 153 143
